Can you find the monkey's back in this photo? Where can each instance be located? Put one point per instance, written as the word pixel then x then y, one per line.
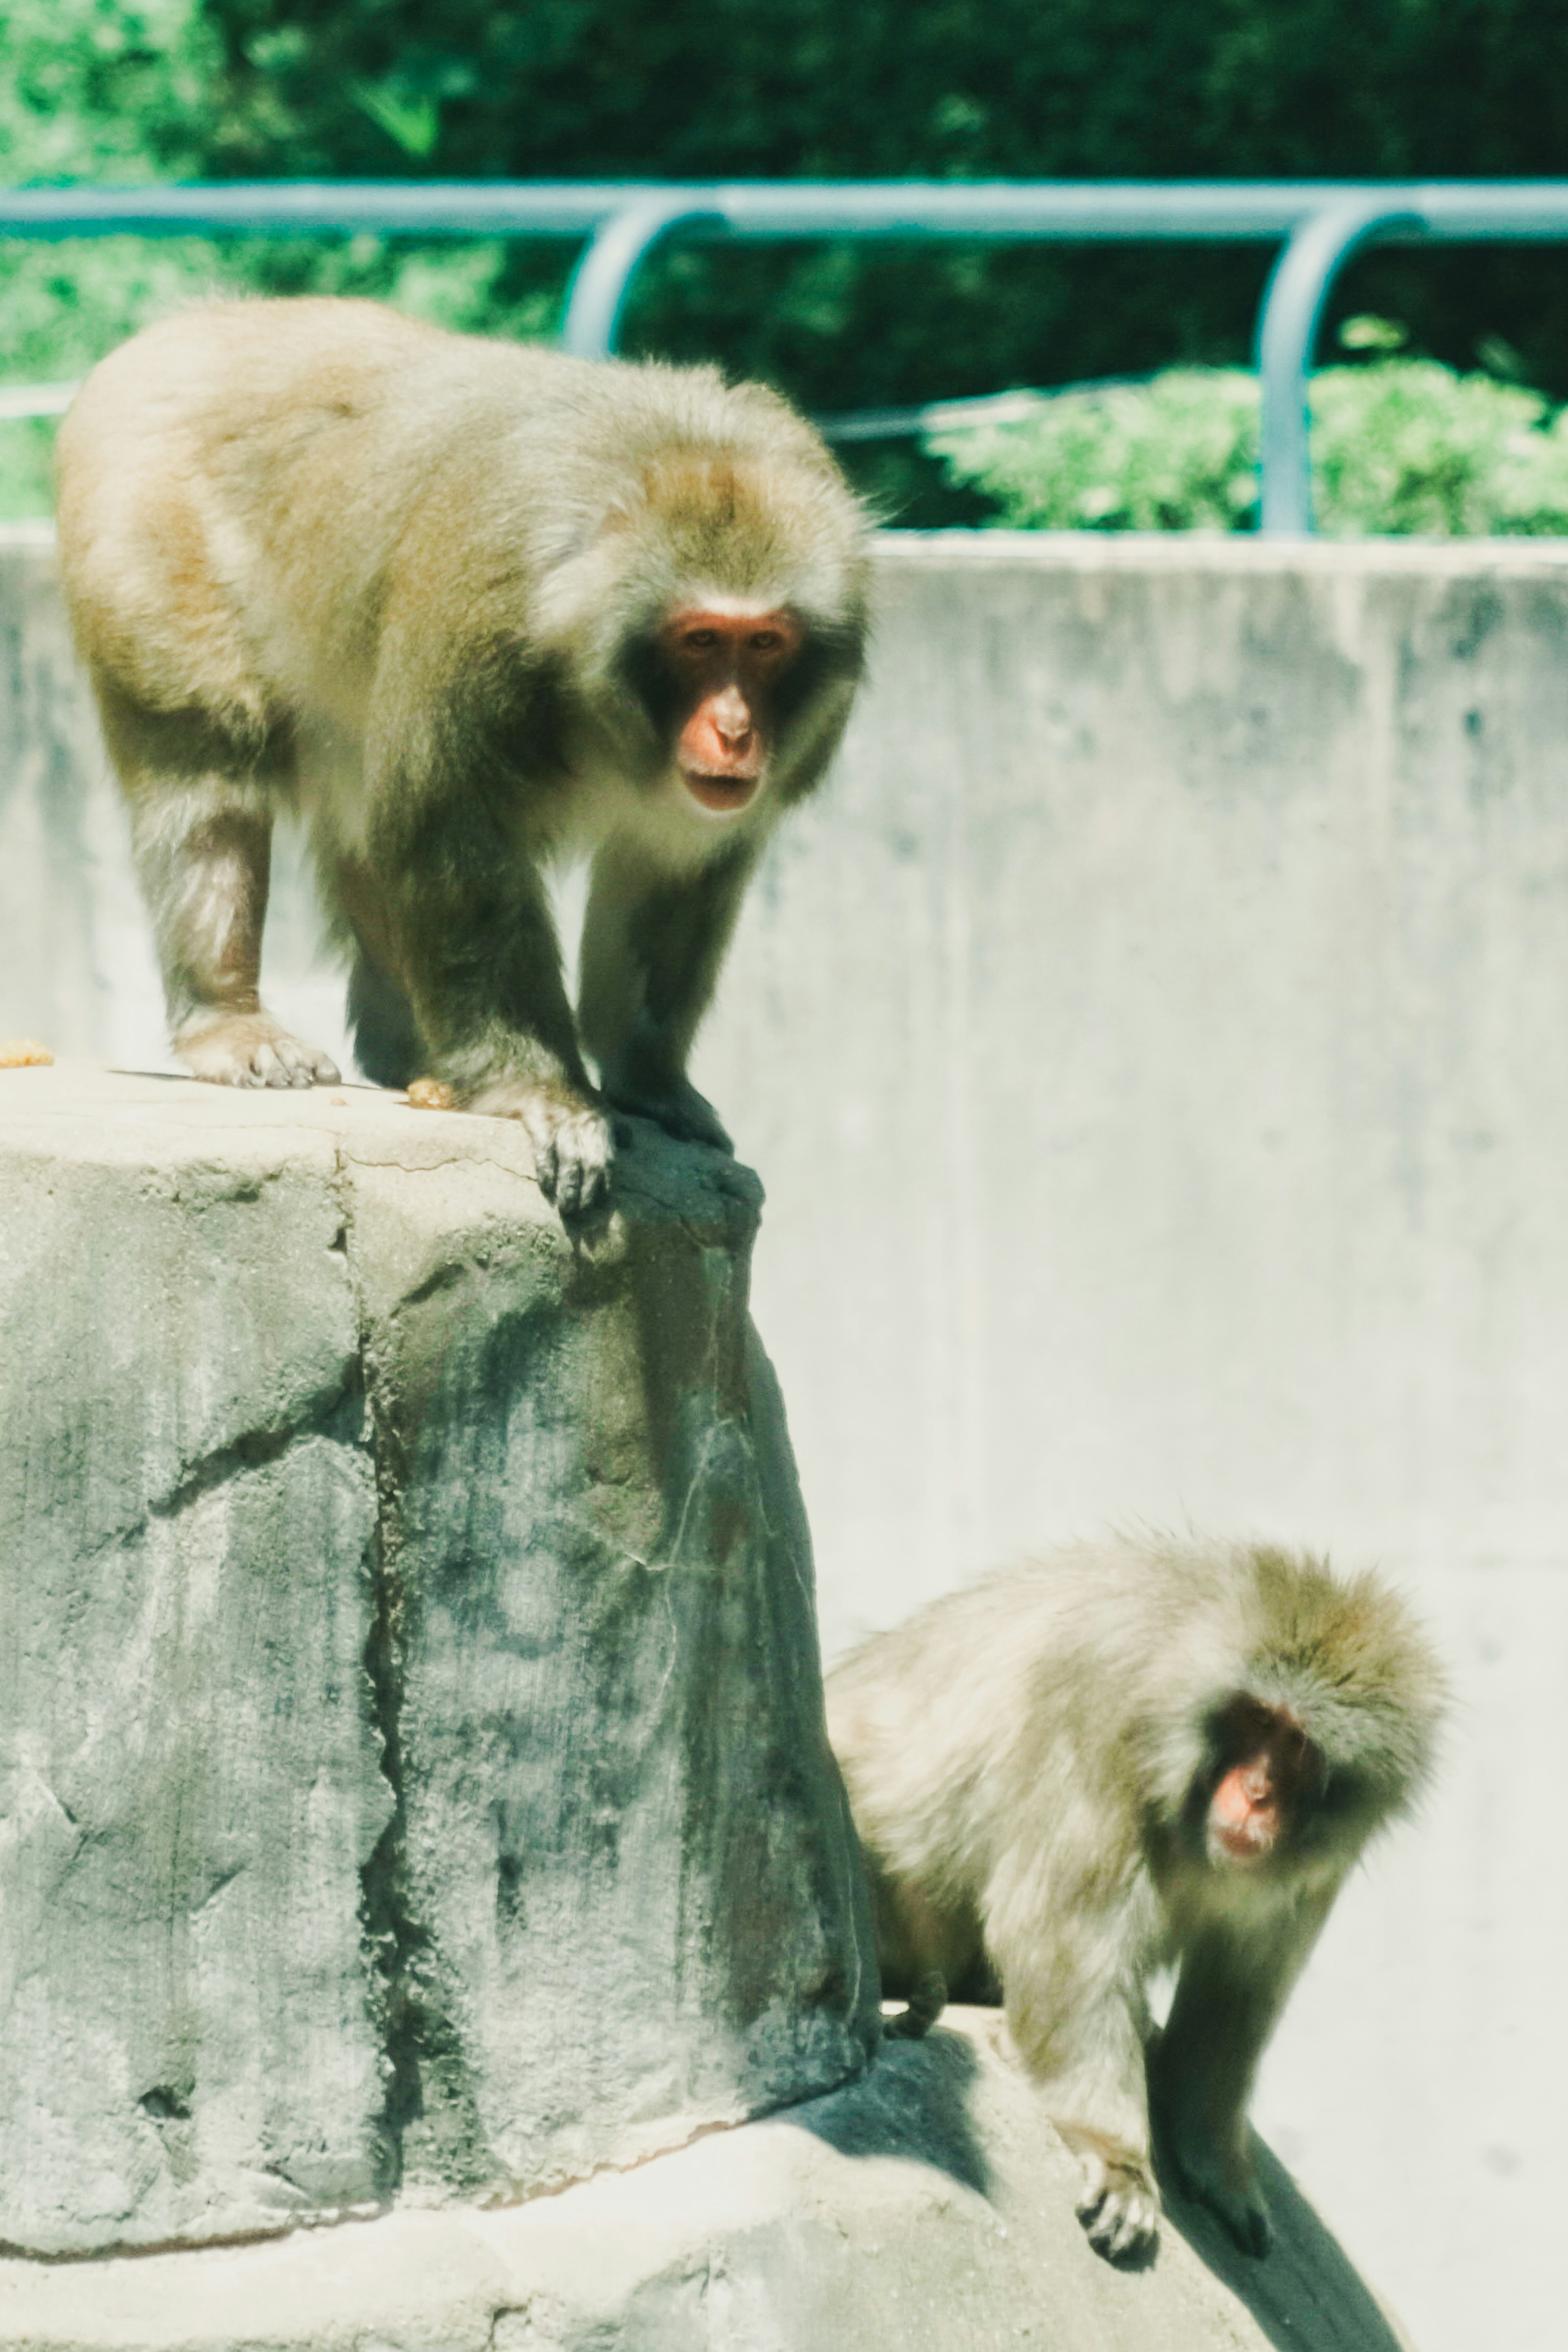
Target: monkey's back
pixel 244 487
pixel 1020 1698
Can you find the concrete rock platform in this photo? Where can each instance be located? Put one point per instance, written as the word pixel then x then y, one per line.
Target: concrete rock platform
pixel 927 2208
pixel 413 1778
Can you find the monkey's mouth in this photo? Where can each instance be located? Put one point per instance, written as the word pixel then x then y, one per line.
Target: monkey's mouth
pixel 724 795
pixel 1244 1842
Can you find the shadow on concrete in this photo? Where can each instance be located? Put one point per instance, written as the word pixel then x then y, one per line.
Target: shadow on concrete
pixel 920 2101
pixel 1303 2293
pixel 913 2101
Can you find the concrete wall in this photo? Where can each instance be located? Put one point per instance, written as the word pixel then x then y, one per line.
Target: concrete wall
pixel 1155 1044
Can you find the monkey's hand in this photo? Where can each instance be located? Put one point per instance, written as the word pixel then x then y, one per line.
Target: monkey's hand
pixel 676 1107
pixel 250 1049
pixel 573 1145
pixel 1119 2206
pixel 1223 2180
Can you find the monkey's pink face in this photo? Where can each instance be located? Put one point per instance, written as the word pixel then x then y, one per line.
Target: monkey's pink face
pixel 1255 1802
pixel 728 667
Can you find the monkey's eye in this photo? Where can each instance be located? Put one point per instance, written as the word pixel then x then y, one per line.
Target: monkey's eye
pixel 766 641
pixel 700 641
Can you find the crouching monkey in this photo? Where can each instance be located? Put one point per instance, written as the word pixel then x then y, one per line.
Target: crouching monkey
pixel 1123 1756
pixel 471 607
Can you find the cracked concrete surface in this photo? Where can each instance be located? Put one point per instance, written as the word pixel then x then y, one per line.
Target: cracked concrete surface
pixel 925 2205
pixel 411 1782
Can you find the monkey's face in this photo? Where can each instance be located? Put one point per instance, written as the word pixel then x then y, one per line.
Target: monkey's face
pixel 1268 1771
pixel 725 668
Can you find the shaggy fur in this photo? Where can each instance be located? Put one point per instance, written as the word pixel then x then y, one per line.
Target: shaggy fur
pixel 412 583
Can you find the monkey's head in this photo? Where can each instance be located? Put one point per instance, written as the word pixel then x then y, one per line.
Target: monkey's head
pixel 716 615
pixel 1334 1733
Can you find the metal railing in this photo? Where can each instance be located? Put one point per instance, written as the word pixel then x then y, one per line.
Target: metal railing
pixel 1319 225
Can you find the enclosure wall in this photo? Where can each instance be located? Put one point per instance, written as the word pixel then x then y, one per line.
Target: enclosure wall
pixel 1154 1042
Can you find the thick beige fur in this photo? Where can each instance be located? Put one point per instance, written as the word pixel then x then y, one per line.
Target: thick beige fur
pixel 323 558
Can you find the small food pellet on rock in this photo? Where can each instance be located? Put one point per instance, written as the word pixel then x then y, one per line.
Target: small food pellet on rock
pixel 24 1054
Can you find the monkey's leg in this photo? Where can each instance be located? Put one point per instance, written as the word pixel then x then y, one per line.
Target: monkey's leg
pixel 651 954
pixel 477 950
pixel 388 1046
pixel 203 844
pixel 1231 1989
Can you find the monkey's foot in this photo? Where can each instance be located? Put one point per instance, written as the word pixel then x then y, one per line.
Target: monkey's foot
pixel 680 1110
pixel 1120 2207
pixel 573 1145
pixel 926 2003
pixel 250 1049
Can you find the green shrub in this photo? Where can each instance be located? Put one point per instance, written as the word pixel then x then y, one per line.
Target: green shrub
pixel 122 92
pixel 1398 446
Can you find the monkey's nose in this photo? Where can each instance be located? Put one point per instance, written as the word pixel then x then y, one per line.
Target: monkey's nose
pixel 732 719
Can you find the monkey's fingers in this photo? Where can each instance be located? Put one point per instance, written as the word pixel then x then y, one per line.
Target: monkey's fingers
pixel 1119 2208
pixel 577 1164
pixel 574 1147
pixel 1240 2208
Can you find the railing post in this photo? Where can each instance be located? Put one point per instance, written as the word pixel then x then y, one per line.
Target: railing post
pixel 1292 308
pixel 603 276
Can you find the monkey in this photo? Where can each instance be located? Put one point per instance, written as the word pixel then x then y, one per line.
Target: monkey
pixel 1124 1756
pixel 472 609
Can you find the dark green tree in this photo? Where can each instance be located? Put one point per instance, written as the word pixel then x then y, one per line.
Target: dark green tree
pixel 948 89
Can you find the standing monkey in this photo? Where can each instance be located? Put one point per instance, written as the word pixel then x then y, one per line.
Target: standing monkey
pixel 472 607
pixel 1125 1755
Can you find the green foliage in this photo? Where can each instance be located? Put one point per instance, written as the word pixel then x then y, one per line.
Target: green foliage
pixel 135 90
pixel 948 89
pixel 121 94
pixel 1178 453
pixel 1398 446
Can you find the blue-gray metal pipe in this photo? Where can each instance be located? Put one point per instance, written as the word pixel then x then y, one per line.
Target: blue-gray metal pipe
pixel 601 280
pixel 1087 211
pixel 1323 223
pixel 1298 287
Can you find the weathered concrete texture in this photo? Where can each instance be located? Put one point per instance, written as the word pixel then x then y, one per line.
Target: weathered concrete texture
pixel 926 2206
pixel 411 1776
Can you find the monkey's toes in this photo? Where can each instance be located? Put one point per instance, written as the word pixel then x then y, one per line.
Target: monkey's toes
pixel 285 1062
pixel 1119 2210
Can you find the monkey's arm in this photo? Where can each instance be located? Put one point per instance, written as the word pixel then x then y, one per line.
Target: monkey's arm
pixel 478 955
pixel 651 951
pixel 1233 1985
pixel 1072 1968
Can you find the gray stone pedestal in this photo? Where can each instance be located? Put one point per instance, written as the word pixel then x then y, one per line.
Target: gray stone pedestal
pixel 927 2207
pixel 413 1785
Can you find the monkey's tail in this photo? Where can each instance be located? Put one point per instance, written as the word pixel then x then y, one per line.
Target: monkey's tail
pixel 925 2005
